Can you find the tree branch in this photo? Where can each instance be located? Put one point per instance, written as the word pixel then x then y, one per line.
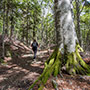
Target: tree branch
pixel 82 7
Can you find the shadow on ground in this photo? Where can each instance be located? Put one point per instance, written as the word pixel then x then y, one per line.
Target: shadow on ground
pixel 20 72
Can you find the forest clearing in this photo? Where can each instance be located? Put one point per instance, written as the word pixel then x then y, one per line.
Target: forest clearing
pixel 44 44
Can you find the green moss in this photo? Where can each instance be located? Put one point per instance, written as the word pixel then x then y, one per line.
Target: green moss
pixel 76 64
pixel 51 61
pixel 41 87
pixel 55 85
pixel 72 61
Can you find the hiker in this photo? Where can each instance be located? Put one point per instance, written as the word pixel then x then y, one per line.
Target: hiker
pixel 34 46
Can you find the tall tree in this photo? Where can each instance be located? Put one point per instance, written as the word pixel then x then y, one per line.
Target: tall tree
pixel 79 6
pixel 7 17
pixel 78 20
pixel 66 53
pixel 3 34
pixel 85 25
pixel 12 15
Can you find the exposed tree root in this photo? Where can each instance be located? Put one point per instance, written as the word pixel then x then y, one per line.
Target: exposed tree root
pixel 55 85
pixel 72 62
pixel 75 63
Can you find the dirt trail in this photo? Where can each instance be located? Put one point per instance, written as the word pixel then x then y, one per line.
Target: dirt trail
pixel 19 72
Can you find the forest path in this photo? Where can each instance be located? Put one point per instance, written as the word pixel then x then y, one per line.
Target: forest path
pixel 20 71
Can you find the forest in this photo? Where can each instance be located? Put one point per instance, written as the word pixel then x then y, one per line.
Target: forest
pixel 60 30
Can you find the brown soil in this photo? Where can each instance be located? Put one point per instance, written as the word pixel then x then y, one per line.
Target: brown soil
pixel 20 71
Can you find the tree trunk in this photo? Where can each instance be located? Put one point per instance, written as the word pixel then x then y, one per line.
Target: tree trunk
pixel 88 40
pixel 7 19
pixel 34 26
pixel 57 23
pixel 78 22
pixel 34 33
pixel 23 32
pixel 66 55
pixel 3 34
pixel 27 25
pixel 27 34
pixel 42 30
pixel 12 25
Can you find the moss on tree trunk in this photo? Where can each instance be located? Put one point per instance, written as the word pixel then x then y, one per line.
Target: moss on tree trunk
pixel 72 62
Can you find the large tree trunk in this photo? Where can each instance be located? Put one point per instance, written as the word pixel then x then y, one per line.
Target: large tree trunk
pixel 66 55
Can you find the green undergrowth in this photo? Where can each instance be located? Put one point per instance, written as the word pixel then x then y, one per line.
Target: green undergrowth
pixel 72 62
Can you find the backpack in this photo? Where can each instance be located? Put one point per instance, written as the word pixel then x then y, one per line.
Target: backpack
pixel 34 44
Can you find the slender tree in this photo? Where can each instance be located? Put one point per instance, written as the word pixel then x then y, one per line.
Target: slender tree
pixel 3 34
pixel 7 18
pixel 27 23
pixel 12 24
pixel 78 20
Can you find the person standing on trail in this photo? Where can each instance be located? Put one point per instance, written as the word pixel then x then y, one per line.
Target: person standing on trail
pixel 34 46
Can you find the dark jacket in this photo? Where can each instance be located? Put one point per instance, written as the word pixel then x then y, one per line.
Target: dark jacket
pixel 34 46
